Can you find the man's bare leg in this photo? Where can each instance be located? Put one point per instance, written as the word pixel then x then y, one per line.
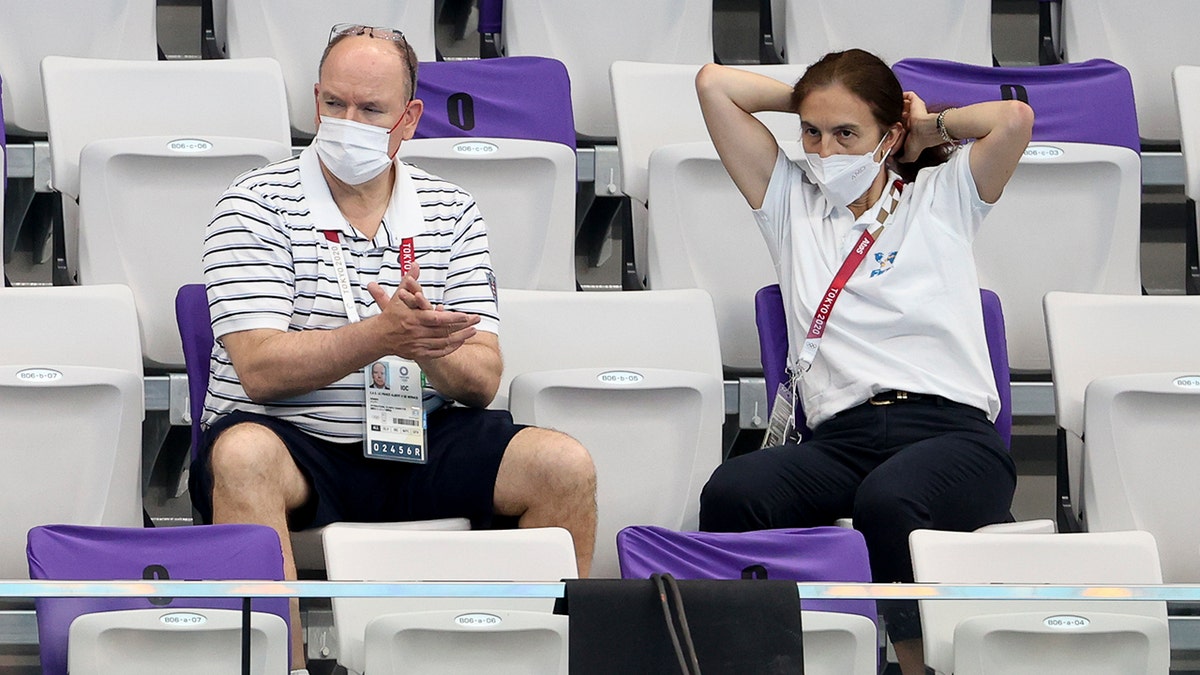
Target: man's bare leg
pixel 911 656
pixel 255 480
pixel 547 479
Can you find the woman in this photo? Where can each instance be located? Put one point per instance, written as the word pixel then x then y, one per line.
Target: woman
pixel 895 376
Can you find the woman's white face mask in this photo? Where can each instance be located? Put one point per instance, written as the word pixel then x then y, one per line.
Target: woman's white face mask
pixel 844 178
pixel 352 151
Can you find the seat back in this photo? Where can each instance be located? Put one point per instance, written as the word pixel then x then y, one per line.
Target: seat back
pixel 831 645
pixel 577 361
pixel 1150 44
pixel 771 321
pixel 71 407
pixel 295 33
pixel 507 642
pixel 143 211
pixel 792 554
pixel 1084 347
pixel 191 642
pixel 191 128
pixel 948 29
pixel 517 97
pixel 703 235
pixel 196 336
pixel 360 552
pixel 105 29
pixel 1083 170
pixel 588 37
pixel 526 192
pixel 1135 426
pixel 211 552
pixel 1080 558
pixel 656 105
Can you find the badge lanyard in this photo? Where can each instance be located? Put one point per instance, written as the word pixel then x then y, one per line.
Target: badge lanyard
pixel 781 428
pixel 394 410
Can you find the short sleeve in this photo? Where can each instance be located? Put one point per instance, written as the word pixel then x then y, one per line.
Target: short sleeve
pixel 775 213
pixel 248 265
pixel 470 280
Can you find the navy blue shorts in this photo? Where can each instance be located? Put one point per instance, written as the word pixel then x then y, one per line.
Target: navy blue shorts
pixel 464 446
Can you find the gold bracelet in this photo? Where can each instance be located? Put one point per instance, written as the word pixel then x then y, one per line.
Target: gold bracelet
pixel 941 127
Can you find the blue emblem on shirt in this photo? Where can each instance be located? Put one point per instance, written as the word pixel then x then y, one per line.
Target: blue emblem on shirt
pixel 885 263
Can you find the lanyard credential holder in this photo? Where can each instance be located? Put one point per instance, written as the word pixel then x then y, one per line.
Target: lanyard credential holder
pixel 781 428
pixel 394 413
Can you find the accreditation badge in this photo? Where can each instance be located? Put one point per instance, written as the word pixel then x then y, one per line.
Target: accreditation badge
pixel 395 412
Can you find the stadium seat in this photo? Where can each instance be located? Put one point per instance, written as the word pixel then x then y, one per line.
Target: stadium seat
pixel 578 361
pixel 1125 404
pixel 138 190
pixel 656 106
pixel 295 32
pixel 805 30
pixel 1186 80
pixel 526 193
pixel 448 642
pixel 362 552
pixel 969 637
pixel 106 29
pixel 1070 216
pixel 503 130
pixel 71 408
pixel 839 636
pixel 588 37
pixel 195 331
pixel 771 321
pixel 1149 43
pixel 519 97
pixel 115 29
pixel 145 635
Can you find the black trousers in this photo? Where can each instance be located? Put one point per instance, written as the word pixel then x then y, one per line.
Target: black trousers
pixel 921 464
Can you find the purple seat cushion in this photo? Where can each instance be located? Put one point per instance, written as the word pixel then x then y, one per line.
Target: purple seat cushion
pixel 1088 102
pixel 195 333
pixel 201 552
pixel 792 554
pixel 491 13
pixel 527 97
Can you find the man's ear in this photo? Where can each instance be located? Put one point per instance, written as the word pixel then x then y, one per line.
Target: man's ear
pixel 317 104
pixel 412 115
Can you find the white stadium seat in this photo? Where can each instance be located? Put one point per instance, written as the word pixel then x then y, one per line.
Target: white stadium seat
pixel 295 32
pixel 576 362
pixel 71 407
pixel 361 552
pixel 525 190
pixel 1022 636
pixel 139 190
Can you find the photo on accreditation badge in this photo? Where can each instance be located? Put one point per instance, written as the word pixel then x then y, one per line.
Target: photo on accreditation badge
pixel 380 377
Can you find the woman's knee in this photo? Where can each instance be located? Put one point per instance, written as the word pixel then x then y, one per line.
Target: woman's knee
pixel 726 502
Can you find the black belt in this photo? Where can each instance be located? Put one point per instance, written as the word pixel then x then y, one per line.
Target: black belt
pixel 892 396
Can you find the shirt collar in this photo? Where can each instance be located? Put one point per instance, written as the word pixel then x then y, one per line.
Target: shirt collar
pixel 402 219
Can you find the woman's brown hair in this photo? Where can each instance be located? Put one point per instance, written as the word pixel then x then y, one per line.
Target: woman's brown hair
pixel 870 79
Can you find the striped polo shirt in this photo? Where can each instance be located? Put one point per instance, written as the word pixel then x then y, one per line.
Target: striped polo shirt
pixel 268 264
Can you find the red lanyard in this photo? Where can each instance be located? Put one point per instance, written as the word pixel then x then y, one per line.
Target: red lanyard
pixel 407 257
pixel 816 330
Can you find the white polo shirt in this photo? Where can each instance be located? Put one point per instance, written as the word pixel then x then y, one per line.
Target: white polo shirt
pixel 910 317
pixel 268 264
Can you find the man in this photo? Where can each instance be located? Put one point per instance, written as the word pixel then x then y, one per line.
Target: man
pixel 321 265
pixel 379 375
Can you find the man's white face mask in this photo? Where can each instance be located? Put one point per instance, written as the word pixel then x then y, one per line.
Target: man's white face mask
pixel 352 151
pixel 844 178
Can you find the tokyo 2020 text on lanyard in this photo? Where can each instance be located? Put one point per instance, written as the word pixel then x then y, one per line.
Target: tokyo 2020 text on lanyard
pixel 782 426
pixel 394 415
